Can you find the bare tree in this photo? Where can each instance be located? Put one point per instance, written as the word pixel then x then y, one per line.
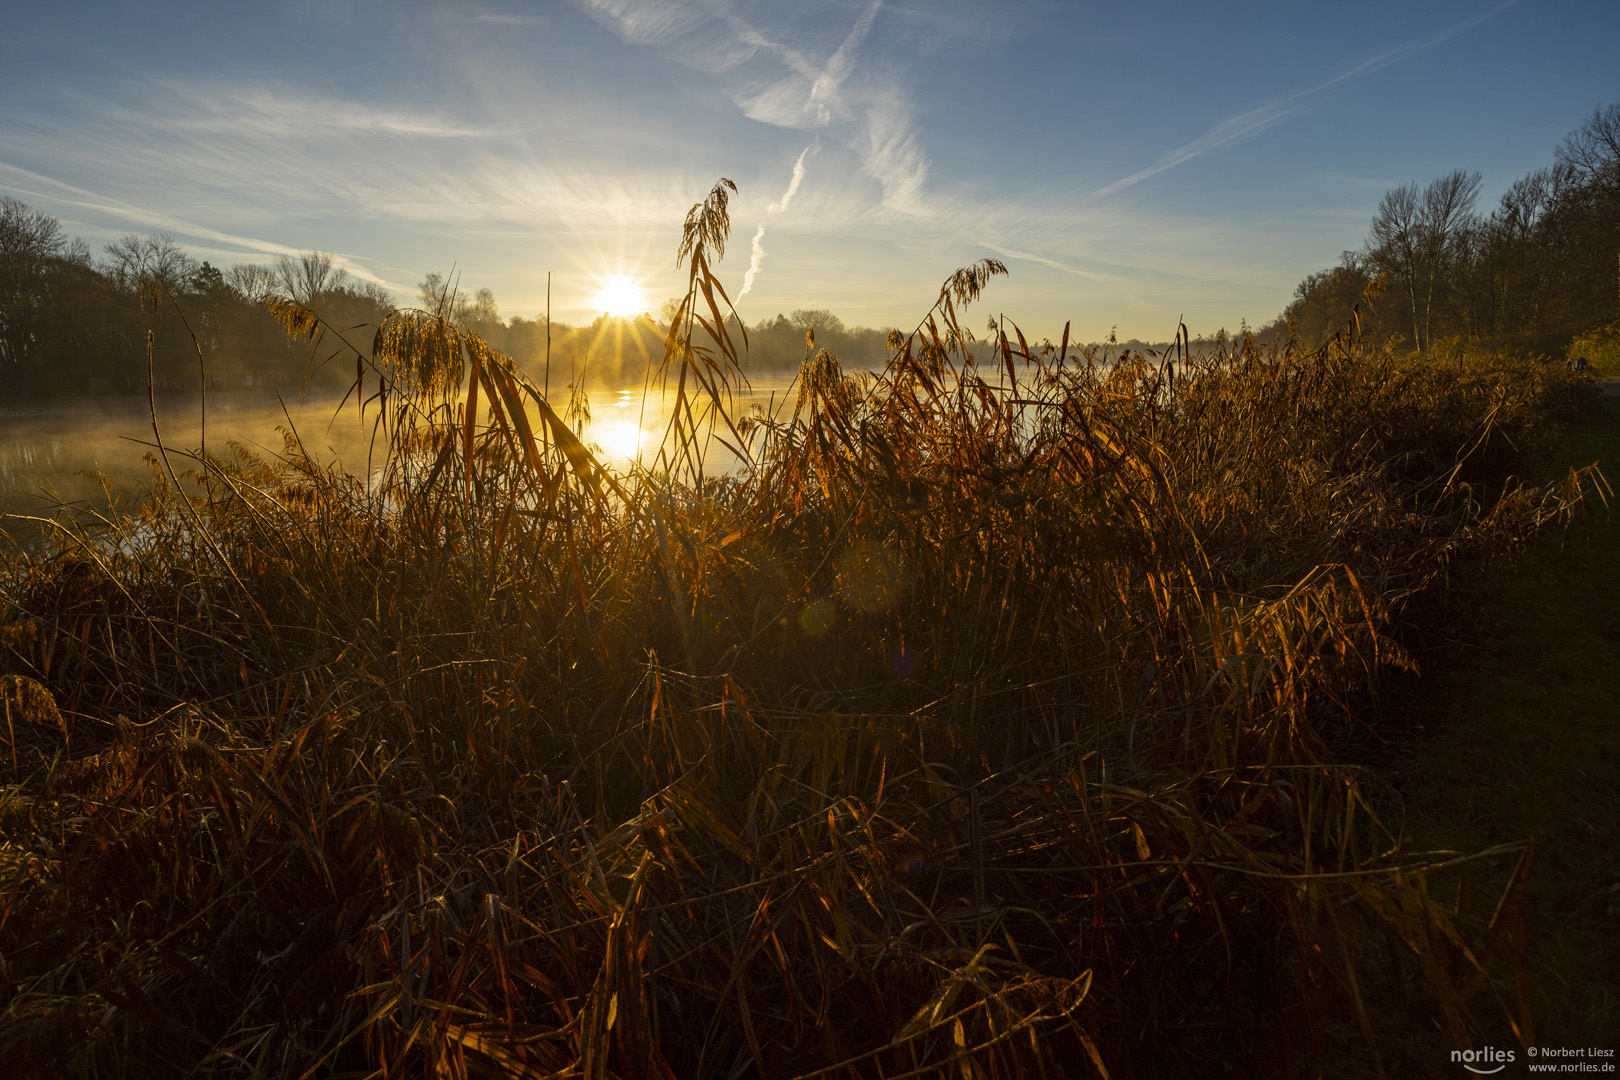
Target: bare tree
pixel 1447 220
pixel 26 233
pixel 1529 198
pixel 449 300
pixel 132 259
pixel 667 311
pixel 1593 150
pixel 1414 234
pixel 375 295
pixel 441 297
pixel 1592 153
pixel 29 240
pixel 483 309
pixel 817 319
pixel 251 281
pixel 309 277
pixel 1394 243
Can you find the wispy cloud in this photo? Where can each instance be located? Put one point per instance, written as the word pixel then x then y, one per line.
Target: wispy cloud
pixel 1234 129
pixel 284 112
pixel 757 258
pixel 648 22
pixel 508 18
pixel 825 89
pixel 775 79
pixel 52 191
pixel 1014 253
pixel 269 154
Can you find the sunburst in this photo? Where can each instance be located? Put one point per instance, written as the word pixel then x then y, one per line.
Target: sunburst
pixel 621 296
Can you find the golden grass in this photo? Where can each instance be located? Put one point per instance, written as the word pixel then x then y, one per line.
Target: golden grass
pixel 983 724
pixel 1600 348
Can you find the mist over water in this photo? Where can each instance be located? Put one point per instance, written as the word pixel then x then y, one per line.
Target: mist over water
pixel 48 448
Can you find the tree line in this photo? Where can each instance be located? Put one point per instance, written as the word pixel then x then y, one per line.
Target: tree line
pixel 73 324
pixel 1540 269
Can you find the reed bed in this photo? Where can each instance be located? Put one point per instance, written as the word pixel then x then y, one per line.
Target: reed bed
pixel 990 721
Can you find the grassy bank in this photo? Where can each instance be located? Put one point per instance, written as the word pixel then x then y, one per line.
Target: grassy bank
pixel 991 721
pixel 1512 733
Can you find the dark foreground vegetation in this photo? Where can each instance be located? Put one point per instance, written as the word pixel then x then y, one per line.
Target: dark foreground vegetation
pixel 992 723
pixel 1511 733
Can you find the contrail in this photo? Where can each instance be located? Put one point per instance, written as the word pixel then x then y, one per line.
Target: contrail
pixel 1235 129
pixel 775 208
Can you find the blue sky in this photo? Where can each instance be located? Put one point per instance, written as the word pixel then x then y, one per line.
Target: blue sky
pixel 1129 163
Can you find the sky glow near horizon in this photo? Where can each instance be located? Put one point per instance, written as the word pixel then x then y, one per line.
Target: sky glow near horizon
pixel 1129 167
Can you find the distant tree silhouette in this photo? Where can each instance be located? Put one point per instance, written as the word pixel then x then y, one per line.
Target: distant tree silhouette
pixel 310 277
pixel 1542 268
pixel 1414 237
pixel 30 244
pixel 251 281
pixel 159 258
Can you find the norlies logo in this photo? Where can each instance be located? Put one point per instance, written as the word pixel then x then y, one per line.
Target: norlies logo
pixel 1469 1059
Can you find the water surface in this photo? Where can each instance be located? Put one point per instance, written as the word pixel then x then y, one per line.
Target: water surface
pixel 48 448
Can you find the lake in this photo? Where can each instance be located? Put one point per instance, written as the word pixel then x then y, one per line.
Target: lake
pixel 47 447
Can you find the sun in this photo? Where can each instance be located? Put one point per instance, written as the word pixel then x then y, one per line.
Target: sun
pixel 622 439
pixel 621 296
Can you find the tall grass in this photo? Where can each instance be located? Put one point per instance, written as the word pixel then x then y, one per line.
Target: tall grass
pixel 988 721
